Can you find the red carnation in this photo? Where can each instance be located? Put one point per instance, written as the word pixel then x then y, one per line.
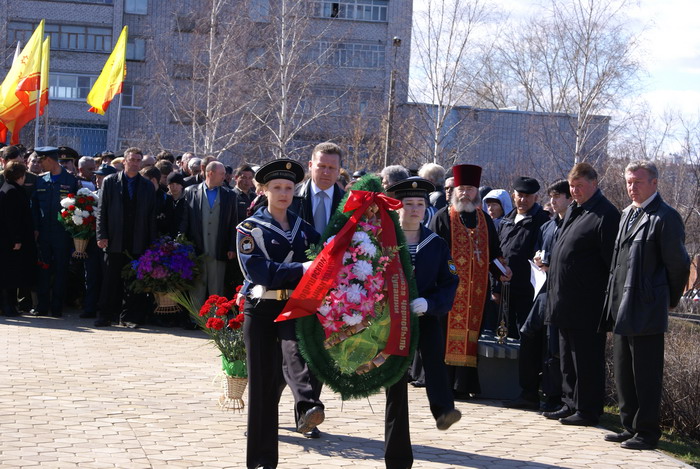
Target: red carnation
pixel 215 323
pixel 234 324
pixel 70 196
pixel 65 214
pixel 81 200
pixel 71 207
pixel 204 310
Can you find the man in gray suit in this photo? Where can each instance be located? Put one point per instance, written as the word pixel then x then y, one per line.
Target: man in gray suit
pixel 209 221
pixel 649 271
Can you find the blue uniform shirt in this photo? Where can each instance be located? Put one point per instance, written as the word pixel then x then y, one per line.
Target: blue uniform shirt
pixel 46 200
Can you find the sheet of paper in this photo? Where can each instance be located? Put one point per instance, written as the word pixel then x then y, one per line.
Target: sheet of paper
pixel 537 277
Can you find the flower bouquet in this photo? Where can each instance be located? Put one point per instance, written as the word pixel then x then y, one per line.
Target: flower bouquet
pixel 78 218
pixel 354 326
pixel 222 320
pixel 168 266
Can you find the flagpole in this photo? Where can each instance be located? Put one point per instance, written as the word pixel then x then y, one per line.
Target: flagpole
pixel 119 117
pixel 46 125
pixel 38 100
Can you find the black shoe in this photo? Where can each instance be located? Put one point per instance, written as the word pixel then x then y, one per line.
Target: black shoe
pixel 579 420
pixel 315 433
pixel 56 314
pixel 637 443
pixel 523 403
pixel 417 384
pixel 311 419
pixel 128 325
pixel 462 396
pixel 447 419
pixel 87 315
pixel 550 406
pixel 10 312
pixel 618 437
pixel 102 323
pixel 36 312
pixel 562 413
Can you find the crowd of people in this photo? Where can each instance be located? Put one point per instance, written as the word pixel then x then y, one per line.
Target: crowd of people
pixel 472 248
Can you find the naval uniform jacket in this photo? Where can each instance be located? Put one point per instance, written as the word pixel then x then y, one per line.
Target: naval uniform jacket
pixel 649 271
pixel 436 275
pixel 267 256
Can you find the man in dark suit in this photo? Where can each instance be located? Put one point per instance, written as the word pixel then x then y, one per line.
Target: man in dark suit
pixel 578 273
pixel 649 271
pixel 315 202
pixel 126 226
pixel 319 196
pixel 209 221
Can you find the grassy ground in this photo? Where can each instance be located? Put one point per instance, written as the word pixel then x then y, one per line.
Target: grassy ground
pixel 685 449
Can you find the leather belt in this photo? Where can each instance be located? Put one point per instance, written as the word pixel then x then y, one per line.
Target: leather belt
pixel 279 295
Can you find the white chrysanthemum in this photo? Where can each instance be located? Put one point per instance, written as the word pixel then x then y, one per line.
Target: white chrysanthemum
pixel 84 191
pixel 346 258
pixel 369 248
pixel 78 220
pixel 324 309
pixel 354 293
pixel 67 202
pixel 84 213
pixel 362 270
pixel 352 320
pixel 360 237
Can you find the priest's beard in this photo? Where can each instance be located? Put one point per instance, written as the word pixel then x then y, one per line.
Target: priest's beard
pixel 464 205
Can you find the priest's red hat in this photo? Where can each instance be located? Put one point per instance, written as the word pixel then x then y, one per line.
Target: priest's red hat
pixel 467 175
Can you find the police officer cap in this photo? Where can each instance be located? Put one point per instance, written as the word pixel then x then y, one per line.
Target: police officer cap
pixel 176 178
pixel 526 185
pixel 280 169
pixel 358 174
pixel 105 170
pixel 67 153
pixel 47 152
pixel 411 187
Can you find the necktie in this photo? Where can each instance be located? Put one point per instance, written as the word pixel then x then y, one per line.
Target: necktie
pixel 320 217
pixel 635 214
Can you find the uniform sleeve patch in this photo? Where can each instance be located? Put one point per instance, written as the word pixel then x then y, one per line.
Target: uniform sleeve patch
pixel 246 245
pixel 453 268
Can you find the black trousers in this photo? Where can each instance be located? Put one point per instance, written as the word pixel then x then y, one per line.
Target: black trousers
pixel 398 453
pixel 431 345
pixel 273 361
pixel 582 355
pixel 117 302
pixel 639 367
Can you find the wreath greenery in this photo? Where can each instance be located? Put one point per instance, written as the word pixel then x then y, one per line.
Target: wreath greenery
pixel 310 332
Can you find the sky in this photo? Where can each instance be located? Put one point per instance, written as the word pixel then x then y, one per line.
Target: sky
pixel 670 53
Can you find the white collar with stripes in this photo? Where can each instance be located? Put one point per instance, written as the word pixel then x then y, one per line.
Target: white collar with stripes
pixel 280 231
pixel 425 241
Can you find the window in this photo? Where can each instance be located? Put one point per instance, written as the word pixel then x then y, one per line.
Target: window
pixel 107 2
pixel 136 7
pixel 70 86
pixel 19 31
pixel 65 37
pixel 128 98
pixel 347 54
pixel 135 48
pixel 362 10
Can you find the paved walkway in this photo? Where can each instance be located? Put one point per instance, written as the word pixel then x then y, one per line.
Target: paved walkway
pixel 72 395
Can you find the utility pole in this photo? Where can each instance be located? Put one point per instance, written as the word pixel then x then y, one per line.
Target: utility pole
pixel 390 110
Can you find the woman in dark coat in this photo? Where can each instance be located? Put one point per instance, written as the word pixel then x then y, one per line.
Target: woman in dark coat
pixel 17 246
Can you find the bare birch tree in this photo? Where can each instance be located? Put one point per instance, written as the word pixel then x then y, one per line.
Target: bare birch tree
pixel 202 77
pixel 577 59
pixel 450 52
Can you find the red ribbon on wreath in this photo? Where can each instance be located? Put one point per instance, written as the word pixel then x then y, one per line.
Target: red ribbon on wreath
pixel 321 275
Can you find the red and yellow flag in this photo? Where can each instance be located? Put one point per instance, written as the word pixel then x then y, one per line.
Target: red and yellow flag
pixel 19 89
pixel 30 112
pixel 109 83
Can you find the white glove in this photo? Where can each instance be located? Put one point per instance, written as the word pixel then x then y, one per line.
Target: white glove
pixel 306 265
pixel 419 306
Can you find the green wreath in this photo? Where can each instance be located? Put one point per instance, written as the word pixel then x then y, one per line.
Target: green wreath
pixel 311 336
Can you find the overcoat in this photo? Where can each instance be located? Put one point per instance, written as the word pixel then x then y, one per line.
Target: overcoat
pixel 580 263
pixel 649 271
pixel 110 214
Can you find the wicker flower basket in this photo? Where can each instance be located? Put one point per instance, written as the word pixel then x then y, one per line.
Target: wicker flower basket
pixel 80 248
pixel 165 303
pixel 233 389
